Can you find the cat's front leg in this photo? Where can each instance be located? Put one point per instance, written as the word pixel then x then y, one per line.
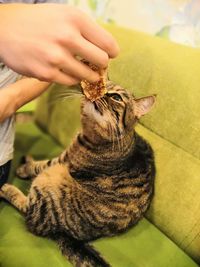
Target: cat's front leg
pixel 32 168
pixel 13 195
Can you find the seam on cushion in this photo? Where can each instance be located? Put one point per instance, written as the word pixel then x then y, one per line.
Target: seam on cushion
pixel 169 141
pixel 45 132
pixel 180 244
pixel 173 256
pixel 190 241
pixel 188 245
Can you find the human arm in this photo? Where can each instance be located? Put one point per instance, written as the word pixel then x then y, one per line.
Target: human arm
pixel 44 41
pixel 13 96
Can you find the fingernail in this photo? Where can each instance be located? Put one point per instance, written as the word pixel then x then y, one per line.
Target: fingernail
pixel 94 77
pixel 115 51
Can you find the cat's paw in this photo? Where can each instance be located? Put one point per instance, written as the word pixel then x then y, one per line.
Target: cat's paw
pixel 23 171
pixel 1 194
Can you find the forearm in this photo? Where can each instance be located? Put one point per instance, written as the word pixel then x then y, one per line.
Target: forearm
pixel 19 93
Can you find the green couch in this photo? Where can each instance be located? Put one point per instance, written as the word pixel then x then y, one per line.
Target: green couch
pixel 170 233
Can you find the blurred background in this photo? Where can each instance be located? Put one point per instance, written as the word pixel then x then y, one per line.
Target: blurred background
pixel 177 20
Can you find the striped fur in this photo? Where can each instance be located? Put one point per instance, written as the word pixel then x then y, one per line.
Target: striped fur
pixel 100 186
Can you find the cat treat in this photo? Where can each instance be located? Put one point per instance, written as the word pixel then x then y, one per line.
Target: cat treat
pixel 96 90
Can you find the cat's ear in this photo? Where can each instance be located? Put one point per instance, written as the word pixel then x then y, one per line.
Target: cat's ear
pixel 143 105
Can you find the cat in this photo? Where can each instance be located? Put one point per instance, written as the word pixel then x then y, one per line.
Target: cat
pixel 102 185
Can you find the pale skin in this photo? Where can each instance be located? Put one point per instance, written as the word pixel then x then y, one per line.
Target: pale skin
pixel 13 96
pixel 46 41
pixel 47 47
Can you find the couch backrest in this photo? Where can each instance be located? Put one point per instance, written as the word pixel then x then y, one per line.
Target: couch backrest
pixel 150 65
pixel 59 117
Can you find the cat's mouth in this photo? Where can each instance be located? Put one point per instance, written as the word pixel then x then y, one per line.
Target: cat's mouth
pixel 97 107
pixel 95 111
pixel 93 108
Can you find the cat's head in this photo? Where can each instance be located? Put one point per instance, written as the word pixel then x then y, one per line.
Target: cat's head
pixel 114 115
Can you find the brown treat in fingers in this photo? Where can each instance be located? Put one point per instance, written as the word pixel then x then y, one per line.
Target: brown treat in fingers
pixel 96 90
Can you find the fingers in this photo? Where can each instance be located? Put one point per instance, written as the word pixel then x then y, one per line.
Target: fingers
pixel 65 60
pixel 95 34
pixel 53 74
pixel 63 78
pixel 77 69
pixel 68 70
pixel 90 52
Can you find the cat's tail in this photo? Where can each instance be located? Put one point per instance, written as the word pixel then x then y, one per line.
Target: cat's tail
pixel 80 254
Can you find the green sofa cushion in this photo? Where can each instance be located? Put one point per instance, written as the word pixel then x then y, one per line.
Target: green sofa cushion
pixel 60 118
pixel 142 246
pixel 175 208
pixel 29 107
pixel 150 65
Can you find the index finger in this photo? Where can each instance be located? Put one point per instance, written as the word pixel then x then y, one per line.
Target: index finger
pixel 95 34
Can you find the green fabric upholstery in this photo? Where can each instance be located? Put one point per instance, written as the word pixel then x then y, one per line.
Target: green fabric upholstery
pixel 60 118
pixel 149 65
pixel 175 207
pixel 142 246
pixel 29 107
pixel 153 65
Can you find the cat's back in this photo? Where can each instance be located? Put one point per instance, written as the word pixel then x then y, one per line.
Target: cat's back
pixel 122 198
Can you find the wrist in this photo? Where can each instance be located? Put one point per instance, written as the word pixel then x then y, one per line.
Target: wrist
pixel 7 104
pixel 27 89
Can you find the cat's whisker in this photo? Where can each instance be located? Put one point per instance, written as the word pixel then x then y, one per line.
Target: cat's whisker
pixel 122 144
pixel 61 98
pixel 66 94
pixel 69 93
pixel 115 131
pixel 101 105
pixel 112 138
pixel 110 134
pixel 111 130
pixel 118 139
pixel 121 141
pixel 104 103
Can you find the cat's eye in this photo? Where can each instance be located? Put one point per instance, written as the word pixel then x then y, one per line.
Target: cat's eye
pixel 116 97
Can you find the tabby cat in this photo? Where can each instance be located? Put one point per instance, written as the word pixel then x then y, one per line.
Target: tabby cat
pixel 100 186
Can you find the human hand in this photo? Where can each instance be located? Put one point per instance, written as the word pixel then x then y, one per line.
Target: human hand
pixel 15 95
pixel 44 40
